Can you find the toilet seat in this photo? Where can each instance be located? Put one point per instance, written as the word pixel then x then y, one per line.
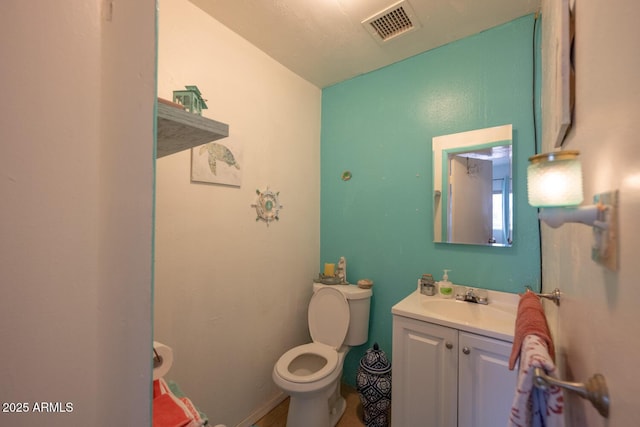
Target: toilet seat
pixel 328 333
pixel 330 356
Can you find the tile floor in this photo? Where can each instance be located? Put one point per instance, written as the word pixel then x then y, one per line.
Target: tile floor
pixel 352 415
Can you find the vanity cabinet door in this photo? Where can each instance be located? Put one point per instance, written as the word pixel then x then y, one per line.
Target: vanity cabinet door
pixel 425 374
pixel 486 385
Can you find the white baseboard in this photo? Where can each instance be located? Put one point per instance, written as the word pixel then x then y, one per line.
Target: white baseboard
pixel 262 411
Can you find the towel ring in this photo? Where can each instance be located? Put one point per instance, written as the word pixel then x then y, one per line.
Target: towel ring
pixel 594 390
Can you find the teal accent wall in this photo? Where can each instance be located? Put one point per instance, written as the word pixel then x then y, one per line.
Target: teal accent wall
pixel 379 127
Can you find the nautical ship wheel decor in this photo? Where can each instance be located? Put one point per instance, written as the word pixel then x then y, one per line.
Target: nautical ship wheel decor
pixel 267 206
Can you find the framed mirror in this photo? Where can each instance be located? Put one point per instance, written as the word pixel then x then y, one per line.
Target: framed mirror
pixel 472 187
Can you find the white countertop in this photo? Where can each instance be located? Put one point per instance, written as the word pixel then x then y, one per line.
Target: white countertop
pixel 495 320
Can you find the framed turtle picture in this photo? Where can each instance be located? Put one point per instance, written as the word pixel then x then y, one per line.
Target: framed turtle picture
pixel 217 162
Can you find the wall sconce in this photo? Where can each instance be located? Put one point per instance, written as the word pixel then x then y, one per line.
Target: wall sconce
pixel 554 183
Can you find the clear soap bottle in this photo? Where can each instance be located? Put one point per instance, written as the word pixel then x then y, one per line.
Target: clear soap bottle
pixel 445 286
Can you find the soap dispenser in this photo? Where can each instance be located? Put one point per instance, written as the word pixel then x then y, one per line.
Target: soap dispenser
pixel 446 287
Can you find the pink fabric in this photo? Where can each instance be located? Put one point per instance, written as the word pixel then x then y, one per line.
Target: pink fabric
pixel 535 355
pixel 530 320
pixel 171 411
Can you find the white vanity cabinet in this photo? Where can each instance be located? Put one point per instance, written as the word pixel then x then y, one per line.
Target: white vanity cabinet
pixel 444 377
pixel 486 386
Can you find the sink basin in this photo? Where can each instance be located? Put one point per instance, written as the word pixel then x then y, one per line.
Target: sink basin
pixel 497 319
pixel 470 313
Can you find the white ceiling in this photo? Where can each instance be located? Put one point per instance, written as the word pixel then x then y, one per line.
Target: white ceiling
pixel 324 41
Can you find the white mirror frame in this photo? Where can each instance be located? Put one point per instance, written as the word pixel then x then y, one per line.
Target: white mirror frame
pixel 458 140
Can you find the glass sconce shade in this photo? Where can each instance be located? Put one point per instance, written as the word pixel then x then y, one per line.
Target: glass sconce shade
pixel 555 179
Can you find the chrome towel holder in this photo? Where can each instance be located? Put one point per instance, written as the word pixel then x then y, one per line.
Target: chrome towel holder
pixel 594 390
pixel 553 295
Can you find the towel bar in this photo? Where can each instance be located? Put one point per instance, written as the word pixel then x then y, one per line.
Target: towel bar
pixel 594 390
pixel 553 296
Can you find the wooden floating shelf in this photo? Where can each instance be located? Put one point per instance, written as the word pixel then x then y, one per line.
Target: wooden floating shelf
pixel 179 130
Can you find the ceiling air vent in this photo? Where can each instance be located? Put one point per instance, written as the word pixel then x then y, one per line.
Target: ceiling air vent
pixel 391 22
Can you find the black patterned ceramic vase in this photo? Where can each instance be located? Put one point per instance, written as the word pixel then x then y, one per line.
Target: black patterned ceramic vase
pixel 374 387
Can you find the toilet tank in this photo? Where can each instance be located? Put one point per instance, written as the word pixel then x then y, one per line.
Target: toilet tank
pixel 359 303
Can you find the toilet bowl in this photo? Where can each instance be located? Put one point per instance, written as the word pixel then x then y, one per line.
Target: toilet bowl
pixel 338 318
pixel 307 363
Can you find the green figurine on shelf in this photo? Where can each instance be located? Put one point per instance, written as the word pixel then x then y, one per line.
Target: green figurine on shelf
pixel 191 99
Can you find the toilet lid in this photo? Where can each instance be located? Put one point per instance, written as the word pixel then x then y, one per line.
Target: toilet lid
pixel 329 317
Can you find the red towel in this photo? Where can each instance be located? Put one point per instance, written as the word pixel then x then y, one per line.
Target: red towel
pixel 171 411
pixel 530 320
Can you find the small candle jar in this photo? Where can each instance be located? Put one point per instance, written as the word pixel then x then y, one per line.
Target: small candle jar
pixel 329 269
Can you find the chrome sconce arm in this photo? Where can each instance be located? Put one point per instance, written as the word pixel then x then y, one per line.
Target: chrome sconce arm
pixel 589 215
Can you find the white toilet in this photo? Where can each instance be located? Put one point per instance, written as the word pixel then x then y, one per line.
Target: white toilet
pixel 310 373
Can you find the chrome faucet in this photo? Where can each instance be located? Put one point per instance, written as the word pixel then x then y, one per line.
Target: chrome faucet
pixel 471 295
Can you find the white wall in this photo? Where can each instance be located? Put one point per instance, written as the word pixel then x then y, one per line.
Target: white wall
pixel 597 324
pixel 76 179
pixel 231 293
